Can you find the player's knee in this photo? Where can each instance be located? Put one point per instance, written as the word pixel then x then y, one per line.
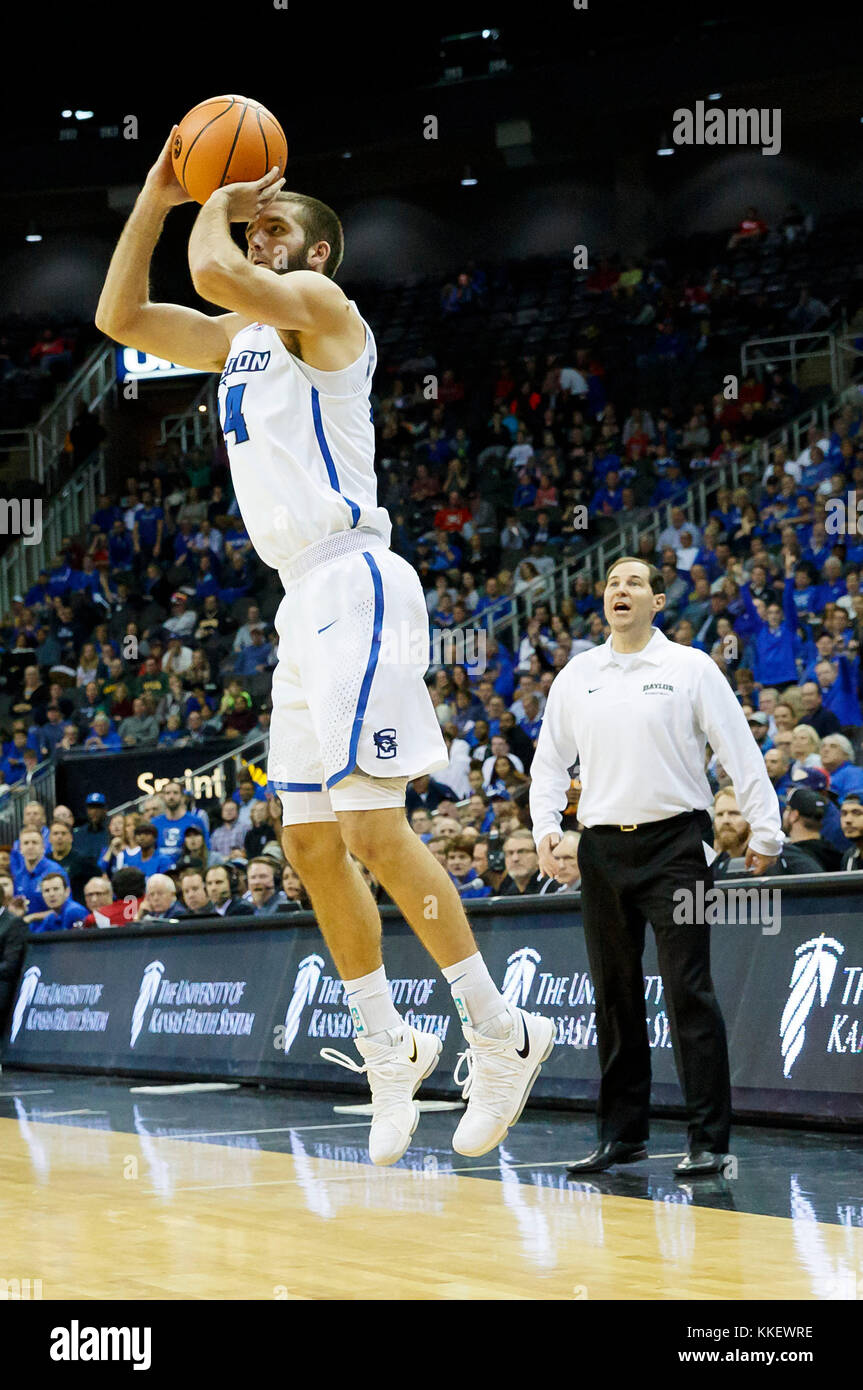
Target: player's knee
pixel 373 836
pixel 312 848
pixel 362 839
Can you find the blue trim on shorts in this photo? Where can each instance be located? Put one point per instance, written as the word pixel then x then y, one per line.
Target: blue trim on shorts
pixel 328 458
pixel 297 786
pixel 371 665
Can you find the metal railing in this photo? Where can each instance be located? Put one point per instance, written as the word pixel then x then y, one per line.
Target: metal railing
pixel 39 785
pixel 850 349
pixel 70 511
pixel 593 561
pixel 793 349
pixel 197 425
pixel 67 514
pixel 43 442
pixel 204 782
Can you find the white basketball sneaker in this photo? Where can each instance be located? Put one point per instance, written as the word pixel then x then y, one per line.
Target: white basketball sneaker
pixel 395 1069
pixel 500 1074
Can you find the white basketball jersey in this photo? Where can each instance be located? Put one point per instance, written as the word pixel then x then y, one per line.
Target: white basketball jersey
pixel 301 444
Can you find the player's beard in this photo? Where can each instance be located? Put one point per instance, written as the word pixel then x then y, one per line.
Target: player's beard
pixel 296 260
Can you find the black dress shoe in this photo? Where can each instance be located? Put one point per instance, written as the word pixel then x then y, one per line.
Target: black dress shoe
pixel 701 1164
pixel 607 1155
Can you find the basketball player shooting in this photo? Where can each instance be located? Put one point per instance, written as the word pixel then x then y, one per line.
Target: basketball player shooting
pixel 352 719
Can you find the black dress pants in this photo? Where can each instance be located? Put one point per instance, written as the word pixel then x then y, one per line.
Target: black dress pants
pixel 629 877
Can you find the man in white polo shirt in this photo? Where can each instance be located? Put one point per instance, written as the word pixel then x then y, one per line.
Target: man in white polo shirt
pixel 635 713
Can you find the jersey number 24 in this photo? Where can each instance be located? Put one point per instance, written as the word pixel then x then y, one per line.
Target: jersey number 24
pixel 234 421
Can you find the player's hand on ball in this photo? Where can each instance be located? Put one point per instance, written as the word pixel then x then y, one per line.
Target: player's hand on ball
pixel 162 181
pixel 759 863
pixel 547 861
pixel 246 200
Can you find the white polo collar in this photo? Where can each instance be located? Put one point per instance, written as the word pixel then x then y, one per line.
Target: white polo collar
pixel 653 653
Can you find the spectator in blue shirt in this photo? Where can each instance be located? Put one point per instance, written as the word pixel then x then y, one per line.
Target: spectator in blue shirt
pixel 172 731
pixel 91 839
pixel 837 759
pixel 670 485
pixel 256 658
pixel 61 578
pixel 837 679
pixel 525 492
pixel 101 737
pixel 237 537
pixel 33 819
pixel 532 721
pixel 805 592
pixel 610 492
pixel 147 531
pixel 459 866
pixel 38 594
pixel 121 550
pixel 207 581
pixel 183 540
pixel 13 763
pixel 500 668
pixel 145 856
pixel 446 554
pixel 604 462
pixel 62 911
pixel 87 581
pixel 492 605
pixel 777 761
pixel 43 738
pixel 105 514
pixel 832 586
pixel 421 792
pixel 820 546
pixel 171 827
pixel 33 868
pixel 774 659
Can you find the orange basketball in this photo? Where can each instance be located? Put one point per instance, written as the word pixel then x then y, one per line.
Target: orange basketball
pixel 226 140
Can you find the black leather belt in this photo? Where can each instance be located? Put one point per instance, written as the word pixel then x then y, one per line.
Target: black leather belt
pixel 644 825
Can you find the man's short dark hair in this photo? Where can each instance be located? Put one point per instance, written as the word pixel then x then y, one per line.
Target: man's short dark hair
pixel 55 874
pixel 320 223
pixel 460 845
pixel 656 577
pixel 128 883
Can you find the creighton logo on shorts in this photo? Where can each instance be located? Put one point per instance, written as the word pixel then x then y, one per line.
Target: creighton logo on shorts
pixel 385 743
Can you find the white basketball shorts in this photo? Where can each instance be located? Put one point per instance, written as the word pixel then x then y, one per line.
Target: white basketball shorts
pixel 349 700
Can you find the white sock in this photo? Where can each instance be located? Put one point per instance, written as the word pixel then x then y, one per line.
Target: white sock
pixel 371 1004
pixel 475 994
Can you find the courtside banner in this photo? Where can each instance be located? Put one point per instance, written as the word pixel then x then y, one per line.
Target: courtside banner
pixel 211 1001
pixel 137 772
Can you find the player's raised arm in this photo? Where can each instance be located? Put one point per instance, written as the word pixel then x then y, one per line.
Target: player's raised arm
pixel 125 311
pixel 303 302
